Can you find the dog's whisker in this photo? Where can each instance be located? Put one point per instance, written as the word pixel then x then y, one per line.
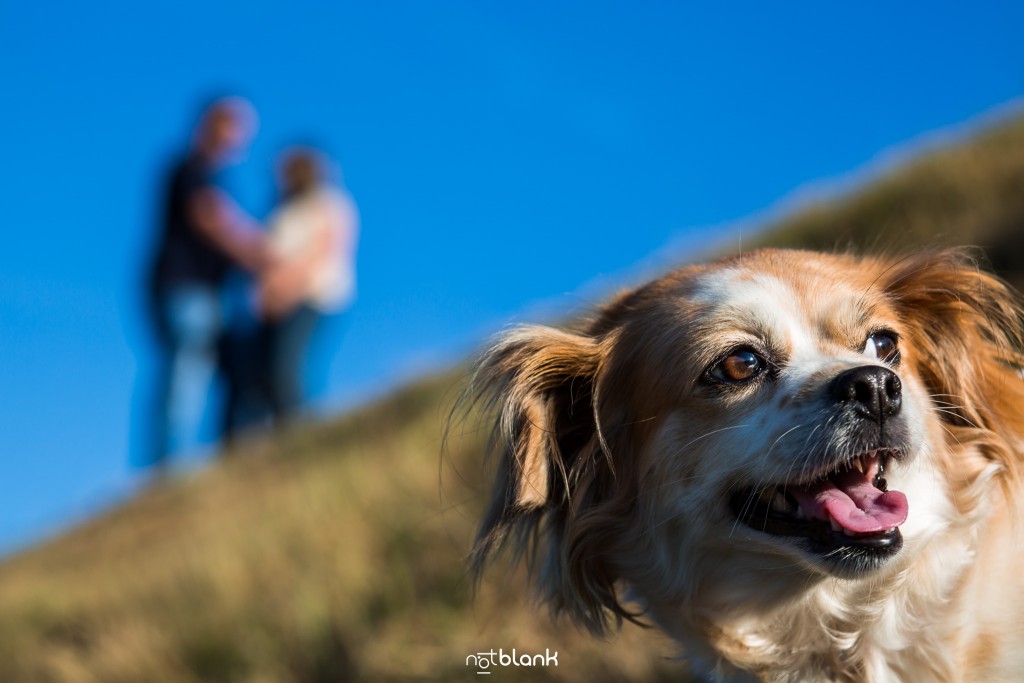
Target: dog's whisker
pixel 956 415
pixel 711 433
pixel 781 437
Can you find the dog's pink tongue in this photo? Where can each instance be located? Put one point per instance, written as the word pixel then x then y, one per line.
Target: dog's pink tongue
pixel 851 500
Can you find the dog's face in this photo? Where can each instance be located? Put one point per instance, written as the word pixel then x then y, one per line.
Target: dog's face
pixel 746 428
pixel 790 415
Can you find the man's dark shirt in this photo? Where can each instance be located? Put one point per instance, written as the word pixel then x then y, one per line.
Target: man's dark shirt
pixel 184 255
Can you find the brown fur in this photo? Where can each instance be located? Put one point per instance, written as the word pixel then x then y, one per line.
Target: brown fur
pixel 598 468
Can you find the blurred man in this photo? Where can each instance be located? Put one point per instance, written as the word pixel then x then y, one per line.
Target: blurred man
pixel 204 234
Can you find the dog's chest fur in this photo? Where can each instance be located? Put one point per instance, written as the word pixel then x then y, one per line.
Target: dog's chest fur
pixel 899 628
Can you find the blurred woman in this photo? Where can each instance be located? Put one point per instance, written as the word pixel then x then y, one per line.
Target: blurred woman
pixel 311 242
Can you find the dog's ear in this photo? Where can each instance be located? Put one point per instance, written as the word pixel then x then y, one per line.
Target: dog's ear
pixel 966 326
pixel 539 384
pixel 965 343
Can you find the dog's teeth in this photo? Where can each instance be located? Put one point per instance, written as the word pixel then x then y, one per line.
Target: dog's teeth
pixel 799 514
pixel 835 525
pixel 779 502
pixel 859 464
pixel 847 532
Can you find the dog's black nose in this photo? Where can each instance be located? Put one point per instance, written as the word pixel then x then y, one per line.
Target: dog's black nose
pixel 872 390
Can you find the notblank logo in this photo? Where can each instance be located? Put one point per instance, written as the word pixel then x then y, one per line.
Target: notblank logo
pixel 485 662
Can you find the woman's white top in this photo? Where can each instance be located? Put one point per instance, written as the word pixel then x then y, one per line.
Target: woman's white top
pixel 295 225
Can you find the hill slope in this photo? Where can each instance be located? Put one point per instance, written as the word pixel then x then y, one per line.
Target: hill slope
pixel 332 554
pixel 971 193
pixel 335 553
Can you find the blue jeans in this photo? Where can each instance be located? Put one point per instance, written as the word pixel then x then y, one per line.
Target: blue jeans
pixel 265 368
pixel 190 320
pixel 288 341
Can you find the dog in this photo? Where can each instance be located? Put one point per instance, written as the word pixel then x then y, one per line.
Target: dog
pixel 800 466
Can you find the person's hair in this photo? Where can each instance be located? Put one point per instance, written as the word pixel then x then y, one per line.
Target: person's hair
pixel 225 104
pixel 302 170
pixel 233 110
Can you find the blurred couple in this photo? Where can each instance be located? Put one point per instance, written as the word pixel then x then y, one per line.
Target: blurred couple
pixel 300 268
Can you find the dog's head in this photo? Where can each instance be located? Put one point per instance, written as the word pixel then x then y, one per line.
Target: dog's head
pixel 743 429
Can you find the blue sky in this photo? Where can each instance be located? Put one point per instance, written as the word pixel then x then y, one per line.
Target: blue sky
pixel 501 154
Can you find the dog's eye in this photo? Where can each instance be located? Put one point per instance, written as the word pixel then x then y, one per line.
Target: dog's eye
pixel 882 345
pixel 739 366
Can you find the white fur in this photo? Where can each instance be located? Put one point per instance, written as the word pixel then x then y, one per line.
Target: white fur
pixel 645 489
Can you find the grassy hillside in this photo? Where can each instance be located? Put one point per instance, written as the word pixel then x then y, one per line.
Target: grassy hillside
pixel 335 553
pixel 972 193
pixel 332 554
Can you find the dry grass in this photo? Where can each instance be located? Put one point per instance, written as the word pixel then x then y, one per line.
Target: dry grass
pixel 336 552
pixel 969 194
